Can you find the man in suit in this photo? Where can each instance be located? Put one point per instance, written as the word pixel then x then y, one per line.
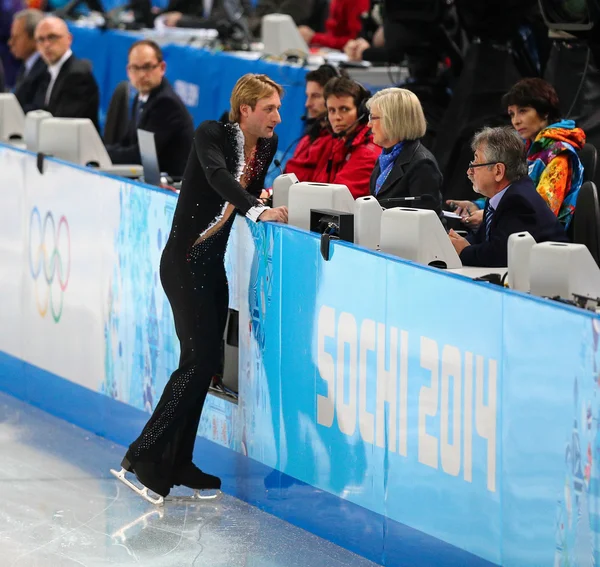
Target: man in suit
pixel 499 172
pixel 157 109
pixel 69 89
pixel 22 45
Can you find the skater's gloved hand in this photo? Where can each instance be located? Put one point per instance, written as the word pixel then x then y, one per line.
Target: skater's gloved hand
pixel 277 214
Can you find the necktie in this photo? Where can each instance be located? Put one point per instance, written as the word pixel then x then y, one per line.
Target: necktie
pixel 488 216
pixel 20 76
pixel 51 80
pixel 138 111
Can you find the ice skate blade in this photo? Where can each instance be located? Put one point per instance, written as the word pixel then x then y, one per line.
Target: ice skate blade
pixel 143 492
pixel 198 496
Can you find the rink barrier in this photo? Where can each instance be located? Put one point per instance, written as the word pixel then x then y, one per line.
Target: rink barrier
pixel 409 415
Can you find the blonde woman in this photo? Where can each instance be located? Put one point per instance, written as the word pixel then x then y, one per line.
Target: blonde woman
pixel 405 167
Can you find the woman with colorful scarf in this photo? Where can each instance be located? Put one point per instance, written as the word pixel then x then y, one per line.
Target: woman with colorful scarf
pixel 552 145
pixel 405 167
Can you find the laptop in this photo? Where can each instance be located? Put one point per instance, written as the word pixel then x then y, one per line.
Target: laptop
pixel 149 158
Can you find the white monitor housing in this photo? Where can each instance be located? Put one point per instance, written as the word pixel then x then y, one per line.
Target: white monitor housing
pixel 367 222
pixel 306 196
pixel 12 119
pixel 560 269
pixel 281 189
pixel 33 119
pixel 77 140
pixel 519 257
pixel 280 34
pixel 417 235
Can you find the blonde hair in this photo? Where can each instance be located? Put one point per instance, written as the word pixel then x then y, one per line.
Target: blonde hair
pixel 401 112
pixel 249 90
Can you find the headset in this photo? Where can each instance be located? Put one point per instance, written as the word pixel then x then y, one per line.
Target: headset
pixel 362 111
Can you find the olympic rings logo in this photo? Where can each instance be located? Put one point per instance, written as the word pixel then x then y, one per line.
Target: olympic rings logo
pixel 49 261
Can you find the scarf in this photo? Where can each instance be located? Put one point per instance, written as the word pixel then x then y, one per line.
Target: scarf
pixel 560 138
pixel 386 163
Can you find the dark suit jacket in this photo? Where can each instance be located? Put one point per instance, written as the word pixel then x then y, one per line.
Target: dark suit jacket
pixel 28 85
pixel 164 114
pixel 521 208
pixel 74 94
pixel 415 173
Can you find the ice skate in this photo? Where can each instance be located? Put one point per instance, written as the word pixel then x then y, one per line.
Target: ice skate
pixel 205 486
pixel 146 474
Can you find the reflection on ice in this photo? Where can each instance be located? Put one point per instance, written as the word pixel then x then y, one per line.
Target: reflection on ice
pixel 61 507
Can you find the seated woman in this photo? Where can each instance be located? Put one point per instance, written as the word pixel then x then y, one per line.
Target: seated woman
pixel 405 167
pixel 551 145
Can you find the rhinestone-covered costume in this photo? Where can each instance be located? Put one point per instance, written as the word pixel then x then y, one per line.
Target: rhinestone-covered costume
pixel 216 183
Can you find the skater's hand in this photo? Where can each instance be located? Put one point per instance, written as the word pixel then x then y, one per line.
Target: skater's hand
pixel 277 214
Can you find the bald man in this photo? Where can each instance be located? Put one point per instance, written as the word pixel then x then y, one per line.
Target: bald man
pixel 69 89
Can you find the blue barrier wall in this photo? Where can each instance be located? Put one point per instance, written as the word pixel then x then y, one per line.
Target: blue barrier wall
pixel 413 416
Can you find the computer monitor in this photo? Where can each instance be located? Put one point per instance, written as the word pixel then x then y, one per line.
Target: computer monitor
pixel 33 119
pixel 417 235
pixel 560 269
pixel 75 140
pixel 306 196
pixel 12 119
pixel 149 157
pixel 280 34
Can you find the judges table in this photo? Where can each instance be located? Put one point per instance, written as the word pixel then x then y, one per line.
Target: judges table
pixel 409 414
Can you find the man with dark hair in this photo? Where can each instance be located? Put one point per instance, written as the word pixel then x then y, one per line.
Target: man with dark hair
pixel 316 134
pixel 499 172
pixel 23 47
pixel 350 157
pixel 157 109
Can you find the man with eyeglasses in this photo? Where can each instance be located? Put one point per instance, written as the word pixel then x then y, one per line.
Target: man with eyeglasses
pixel 156 108
pixel 69 89
pixel 499 172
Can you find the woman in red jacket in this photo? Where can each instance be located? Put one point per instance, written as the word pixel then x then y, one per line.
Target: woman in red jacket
pixel 343 24
pixel 317 134
pixel 350 155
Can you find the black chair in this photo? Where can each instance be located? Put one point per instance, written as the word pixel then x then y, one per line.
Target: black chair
pixel 586 219
pixel 117 116
pixel 588 156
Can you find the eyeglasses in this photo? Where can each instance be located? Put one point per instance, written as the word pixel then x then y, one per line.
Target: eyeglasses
pixel 372 117
pixel 52 38
pixel 474 165
pixel 142 68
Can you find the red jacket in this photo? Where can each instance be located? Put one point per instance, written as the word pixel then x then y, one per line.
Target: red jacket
pixel 307 154
pixel 343 23
pixel 349 161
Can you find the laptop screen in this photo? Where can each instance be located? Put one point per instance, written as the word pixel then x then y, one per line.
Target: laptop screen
pixel 149 157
